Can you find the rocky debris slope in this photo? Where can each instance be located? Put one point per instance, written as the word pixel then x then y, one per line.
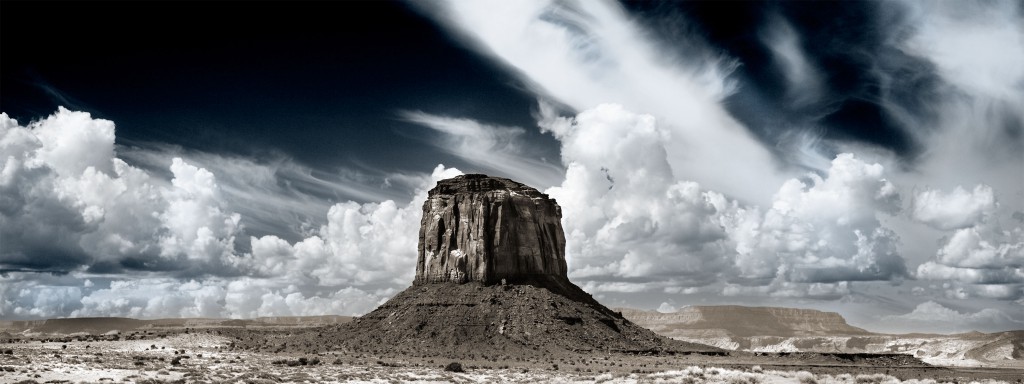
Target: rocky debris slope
pixel 502 321
pixel 1004 346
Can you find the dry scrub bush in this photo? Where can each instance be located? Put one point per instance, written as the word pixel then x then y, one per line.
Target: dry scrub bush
pixel 806 377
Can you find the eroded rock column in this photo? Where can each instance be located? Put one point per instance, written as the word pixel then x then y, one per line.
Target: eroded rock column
pixel 482 228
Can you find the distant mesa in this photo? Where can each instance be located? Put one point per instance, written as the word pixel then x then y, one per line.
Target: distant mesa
pixel 773 329
pixel 490 279
pixel 740 321
pixel 103 325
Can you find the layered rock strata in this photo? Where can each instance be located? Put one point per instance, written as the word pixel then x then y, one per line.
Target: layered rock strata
pixel 489 229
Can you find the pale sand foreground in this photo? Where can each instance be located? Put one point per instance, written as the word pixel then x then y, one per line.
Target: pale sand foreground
pixel 48 373
pixel 208 358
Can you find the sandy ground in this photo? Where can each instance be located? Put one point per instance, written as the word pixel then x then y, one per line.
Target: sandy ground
pixel 936 350
pixel 208 356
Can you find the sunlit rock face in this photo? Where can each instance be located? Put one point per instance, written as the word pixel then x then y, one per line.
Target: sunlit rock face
pixel 489 229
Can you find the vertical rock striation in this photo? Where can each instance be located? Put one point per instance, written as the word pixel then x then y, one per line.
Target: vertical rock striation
pixel 489 229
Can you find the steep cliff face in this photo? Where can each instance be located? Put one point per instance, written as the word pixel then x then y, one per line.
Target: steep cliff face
pixel 489 229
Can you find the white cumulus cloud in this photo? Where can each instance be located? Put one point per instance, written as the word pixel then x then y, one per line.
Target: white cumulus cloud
pixel 957 209
pixel 982 248
pixel 68 204
pixel 980 257
pixel 826 231
pixel 930 316
pixel 625 213
pixel 627 216
pixel 369 243
pixel 198 228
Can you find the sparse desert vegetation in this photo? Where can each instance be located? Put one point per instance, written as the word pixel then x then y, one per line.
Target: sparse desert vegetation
pixel 215 355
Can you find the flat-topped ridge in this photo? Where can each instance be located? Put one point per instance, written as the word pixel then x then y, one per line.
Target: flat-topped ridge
pixel 478 183
pixel 745 321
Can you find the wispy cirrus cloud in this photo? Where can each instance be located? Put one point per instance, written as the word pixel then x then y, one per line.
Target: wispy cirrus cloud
pixel 590 53
pixel 495 149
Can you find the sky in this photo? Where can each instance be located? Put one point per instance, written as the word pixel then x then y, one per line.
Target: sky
pixel 271 159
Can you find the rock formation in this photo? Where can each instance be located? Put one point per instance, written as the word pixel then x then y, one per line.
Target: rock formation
pixel 489 229
pixel 490 281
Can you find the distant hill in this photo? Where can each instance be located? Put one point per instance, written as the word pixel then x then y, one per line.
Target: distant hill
pixel 740 321
pixel 774 329
pixel 100 325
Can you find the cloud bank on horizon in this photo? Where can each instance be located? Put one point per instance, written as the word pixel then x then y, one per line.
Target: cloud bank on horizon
pixel 671 193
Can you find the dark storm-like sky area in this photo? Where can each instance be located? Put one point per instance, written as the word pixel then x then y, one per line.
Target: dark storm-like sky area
pixel 319 81
pixel 846 46
pixel 324 82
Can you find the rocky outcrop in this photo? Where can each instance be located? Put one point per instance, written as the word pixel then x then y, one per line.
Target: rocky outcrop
pixel 490 281
pixel 489 229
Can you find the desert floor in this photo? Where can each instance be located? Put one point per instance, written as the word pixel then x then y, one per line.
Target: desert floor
pixel 210 356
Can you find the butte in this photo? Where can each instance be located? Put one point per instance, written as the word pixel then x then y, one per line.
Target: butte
pixel 491 281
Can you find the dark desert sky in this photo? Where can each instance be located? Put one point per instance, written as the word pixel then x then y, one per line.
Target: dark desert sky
pixel 252 159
